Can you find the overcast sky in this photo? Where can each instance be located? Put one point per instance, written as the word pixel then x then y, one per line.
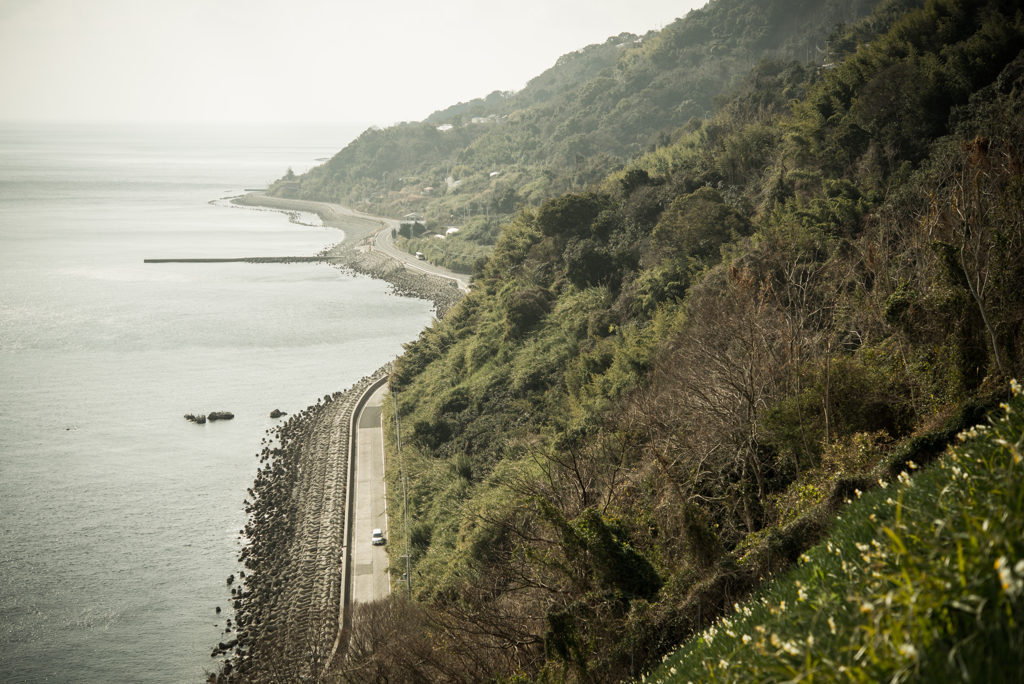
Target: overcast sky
pixel 289 60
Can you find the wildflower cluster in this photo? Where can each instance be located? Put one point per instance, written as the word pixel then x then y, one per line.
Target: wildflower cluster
pixel 916 567
pixel 1011 580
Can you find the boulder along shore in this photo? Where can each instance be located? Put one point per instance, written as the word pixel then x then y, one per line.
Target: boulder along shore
pixel 287 602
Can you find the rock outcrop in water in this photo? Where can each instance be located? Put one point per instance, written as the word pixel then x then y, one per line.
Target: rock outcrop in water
pixel 199 420
pixel 220 415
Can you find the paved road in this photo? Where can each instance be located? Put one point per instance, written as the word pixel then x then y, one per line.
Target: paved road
pixel 367 225
pixel 382 241
pixel 369 563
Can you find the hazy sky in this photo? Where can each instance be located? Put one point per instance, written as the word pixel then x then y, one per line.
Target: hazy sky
pixel 289 60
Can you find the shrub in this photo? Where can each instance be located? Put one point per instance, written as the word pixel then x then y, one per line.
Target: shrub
pixel 922 580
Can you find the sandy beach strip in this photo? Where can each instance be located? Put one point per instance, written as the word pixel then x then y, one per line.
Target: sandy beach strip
pixel 356 253
pixel 355 225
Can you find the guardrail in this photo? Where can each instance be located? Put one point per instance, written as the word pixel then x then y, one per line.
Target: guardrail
pixel 344 612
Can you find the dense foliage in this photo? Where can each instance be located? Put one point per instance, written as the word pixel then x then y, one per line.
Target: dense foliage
pixel 663 387
pixel 697 341
pixel 576 122
pixel 921 580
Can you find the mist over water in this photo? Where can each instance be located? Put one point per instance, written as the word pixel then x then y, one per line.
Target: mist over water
pixel 119 520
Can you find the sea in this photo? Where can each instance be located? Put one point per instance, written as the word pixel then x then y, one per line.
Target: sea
pixel 119 520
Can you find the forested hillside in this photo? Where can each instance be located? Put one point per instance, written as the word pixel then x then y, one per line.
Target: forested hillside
pixel 568 128
pixel 667 382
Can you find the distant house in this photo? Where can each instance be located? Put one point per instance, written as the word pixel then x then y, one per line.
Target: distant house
pixel 494 173
pixel 427 191
pixel 445 127
pixel 413 217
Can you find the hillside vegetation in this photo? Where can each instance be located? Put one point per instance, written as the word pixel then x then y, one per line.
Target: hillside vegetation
pixel 923 580
pixel 570 126
pixel 664 387
pixel 726 303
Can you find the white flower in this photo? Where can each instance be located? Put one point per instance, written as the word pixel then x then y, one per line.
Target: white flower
pixel 1008 579
pixel 908 651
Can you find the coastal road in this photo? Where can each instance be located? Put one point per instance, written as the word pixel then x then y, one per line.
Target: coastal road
pixel 369 562
pixel 367 225
pixel 382 241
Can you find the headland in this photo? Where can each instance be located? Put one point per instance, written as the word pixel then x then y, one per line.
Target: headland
pixel 359 252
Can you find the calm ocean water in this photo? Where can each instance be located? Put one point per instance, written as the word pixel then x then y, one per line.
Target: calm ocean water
pixel 119 520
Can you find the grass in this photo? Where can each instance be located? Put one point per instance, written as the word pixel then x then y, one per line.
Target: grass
pixel 451 253
pixel 922 580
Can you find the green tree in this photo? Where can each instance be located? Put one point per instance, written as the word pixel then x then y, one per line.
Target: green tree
pixel 698 224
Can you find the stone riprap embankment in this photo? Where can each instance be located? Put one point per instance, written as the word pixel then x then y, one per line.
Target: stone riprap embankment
pixel 356 253
pixel 287 600
pixel 443 292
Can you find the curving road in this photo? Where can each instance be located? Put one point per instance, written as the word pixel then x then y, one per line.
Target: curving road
pixel 382 241
pixel 380 228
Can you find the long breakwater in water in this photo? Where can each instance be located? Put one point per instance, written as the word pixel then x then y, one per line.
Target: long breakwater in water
pixel 101 355
pixel 248 260
pixel 288 600
pixel 356 253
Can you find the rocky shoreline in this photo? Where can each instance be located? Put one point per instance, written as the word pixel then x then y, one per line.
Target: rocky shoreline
pixel 444 293
pixel 356 254
pixel 287 600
